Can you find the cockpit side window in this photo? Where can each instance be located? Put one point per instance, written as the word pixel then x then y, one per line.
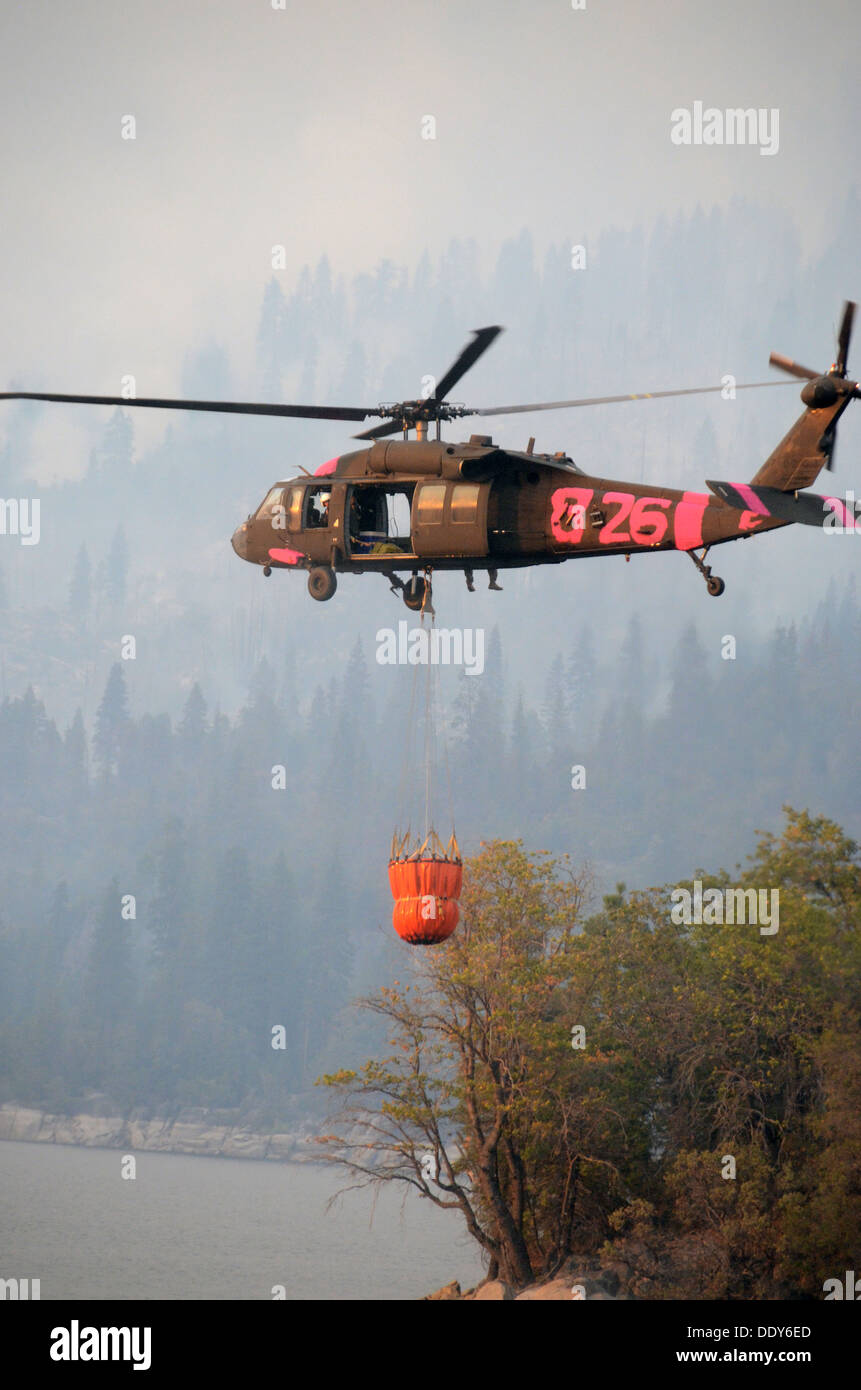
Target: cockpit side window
pixel 271 508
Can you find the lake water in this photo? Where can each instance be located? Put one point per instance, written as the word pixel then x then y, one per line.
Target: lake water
pixel 194 1228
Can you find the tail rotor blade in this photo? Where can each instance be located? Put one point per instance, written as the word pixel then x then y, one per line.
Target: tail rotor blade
pixel 786 364
pixel 844 337
pixel 828 444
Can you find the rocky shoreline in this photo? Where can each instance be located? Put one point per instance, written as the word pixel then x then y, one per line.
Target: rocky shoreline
pixel 579 1279
pixel 191 1131
pixel 210 1134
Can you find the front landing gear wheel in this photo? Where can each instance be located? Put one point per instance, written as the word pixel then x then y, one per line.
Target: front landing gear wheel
pixel 322 582
pixel 414 593
pixel 715 586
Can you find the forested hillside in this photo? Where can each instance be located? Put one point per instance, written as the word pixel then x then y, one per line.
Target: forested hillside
pixel 152 776
pixel 258 906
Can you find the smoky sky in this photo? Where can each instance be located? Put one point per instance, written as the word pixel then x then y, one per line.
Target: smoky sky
pixel 258 126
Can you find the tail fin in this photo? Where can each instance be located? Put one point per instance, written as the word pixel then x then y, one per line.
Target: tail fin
pixel 809 445
pixel 804 451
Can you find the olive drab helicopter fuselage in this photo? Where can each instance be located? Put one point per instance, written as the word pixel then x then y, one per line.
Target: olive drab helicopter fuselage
pixel 412 506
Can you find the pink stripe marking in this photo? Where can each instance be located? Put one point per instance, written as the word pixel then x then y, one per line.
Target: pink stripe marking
pixel 747 494
pixel 326 468
pixel 842 512
pixel 688 520
pixel 286 557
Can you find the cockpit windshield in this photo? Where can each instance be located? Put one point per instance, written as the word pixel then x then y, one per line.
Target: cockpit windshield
pixel 271 504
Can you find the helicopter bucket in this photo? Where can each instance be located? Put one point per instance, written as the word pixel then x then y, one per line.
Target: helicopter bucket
pixel 426 880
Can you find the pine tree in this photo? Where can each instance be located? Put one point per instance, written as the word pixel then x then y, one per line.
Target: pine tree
pixel 192 725
pixel 581 676
pixel 524 754
pixel 80 586
pixel 111 461
pixel 109 988
pixel 634 698
pixel 557 716
pixel 354 723
pixel 75 747
pixel 116 570
pixel 112 723
pixel 270 339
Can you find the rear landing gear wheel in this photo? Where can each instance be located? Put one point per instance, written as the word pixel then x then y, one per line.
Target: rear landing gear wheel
pixel 414 593
pixel 322 583
pixel 714 585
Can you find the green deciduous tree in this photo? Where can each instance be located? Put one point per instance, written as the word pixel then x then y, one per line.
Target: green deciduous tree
pixel 702 1131
pixel 478 1102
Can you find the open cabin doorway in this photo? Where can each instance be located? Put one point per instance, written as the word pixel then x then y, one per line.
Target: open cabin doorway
pixel 379 519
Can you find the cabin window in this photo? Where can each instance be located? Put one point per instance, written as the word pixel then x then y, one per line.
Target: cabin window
pixel 431 503
pixel 294 508
pixel 464 502
pixel 317 506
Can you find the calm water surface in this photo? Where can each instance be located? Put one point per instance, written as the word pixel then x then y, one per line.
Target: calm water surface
pixel 189 1227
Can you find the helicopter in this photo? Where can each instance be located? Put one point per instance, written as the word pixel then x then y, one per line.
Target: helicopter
pixel 418 505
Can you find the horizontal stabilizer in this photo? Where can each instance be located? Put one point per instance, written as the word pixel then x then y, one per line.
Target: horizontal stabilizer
pixel 805 508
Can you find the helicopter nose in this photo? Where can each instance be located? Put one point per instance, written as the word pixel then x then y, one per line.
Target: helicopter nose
pixel 239 540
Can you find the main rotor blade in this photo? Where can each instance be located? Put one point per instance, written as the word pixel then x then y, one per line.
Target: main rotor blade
pixel 844 336
pixel 307 412
pixel 786 364
pixel 613 400
pixel 481 340
pixel 380 431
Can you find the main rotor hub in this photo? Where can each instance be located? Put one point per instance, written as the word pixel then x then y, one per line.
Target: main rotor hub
pixel 406 413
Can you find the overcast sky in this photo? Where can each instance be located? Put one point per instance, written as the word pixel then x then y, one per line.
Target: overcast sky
pixel 257 126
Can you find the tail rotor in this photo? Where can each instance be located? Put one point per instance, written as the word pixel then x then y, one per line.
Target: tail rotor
pixel 826 388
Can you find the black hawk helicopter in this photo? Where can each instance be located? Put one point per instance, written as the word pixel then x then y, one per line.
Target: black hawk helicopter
pixel 415 505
